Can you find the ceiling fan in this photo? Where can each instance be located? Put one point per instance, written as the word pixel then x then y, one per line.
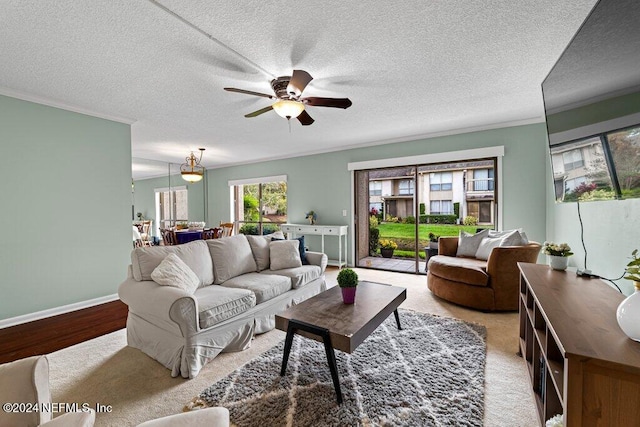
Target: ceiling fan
pixel 288 98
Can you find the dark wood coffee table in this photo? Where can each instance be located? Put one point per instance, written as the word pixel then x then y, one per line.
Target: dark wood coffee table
pixel 340 326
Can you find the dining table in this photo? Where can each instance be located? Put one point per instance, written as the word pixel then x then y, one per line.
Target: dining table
pixel 186 236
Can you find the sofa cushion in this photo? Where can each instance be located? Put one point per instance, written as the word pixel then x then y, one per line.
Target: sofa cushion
pixel 264 286
pixel 464 270
pixel 260 248
pixel 194 254
pixel 301 248
pixel 218 303
pixel 231 257
pixel 299 276
pixel 468 243
pixel 172 271
pixel 284 254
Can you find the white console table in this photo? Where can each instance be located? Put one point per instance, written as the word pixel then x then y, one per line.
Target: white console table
pixel 340 231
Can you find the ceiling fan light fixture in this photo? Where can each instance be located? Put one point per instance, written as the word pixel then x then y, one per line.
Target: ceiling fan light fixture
pixel 191 170
pixel 288 108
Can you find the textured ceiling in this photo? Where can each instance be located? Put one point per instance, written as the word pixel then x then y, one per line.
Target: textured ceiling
pixel 411 68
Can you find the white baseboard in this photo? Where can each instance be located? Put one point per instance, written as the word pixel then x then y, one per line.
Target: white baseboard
pixel 12 321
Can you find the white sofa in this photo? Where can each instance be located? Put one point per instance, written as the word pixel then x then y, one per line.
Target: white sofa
pixel 238 295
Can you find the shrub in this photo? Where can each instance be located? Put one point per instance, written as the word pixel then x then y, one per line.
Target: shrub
pixel 252 229
pixel 390 218
pixel 409 220
pixel 437 219
pixel 422 209
pixel 373 222
pixel 456 209
pixel 374 236
pixel 470 220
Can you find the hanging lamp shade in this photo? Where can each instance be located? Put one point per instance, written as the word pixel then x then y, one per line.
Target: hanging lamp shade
pixel 191 170
pixel 287 108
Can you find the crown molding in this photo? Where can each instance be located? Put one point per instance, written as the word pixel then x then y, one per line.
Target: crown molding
pixel 63 106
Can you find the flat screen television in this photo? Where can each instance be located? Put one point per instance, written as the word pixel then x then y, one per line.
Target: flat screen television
pixel 592 107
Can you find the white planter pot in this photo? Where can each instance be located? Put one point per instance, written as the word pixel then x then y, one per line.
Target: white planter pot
pixel 628 315
pixel 558 262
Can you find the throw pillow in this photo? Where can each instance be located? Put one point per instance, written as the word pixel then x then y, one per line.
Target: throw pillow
pixel 172 271
pixel 301 247
pixel 231 257
pixel 520 240
pixel 468 243
pixel 260 248
pixel 284 254
pixel 486 246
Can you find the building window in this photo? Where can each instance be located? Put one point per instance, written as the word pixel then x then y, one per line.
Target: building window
pixel 483 180
pixel 405 187
pixel 571 184
pixel 375 188
pixel 441 181
pixel 260 207
pixel 441 207
pixel 572 159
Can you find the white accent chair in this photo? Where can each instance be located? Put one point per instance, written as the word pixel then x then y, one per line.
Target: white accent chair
pixel 26 381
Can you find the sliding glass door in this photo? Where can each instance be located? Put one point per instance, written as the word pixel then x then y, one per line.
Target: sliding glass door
pixel 402 211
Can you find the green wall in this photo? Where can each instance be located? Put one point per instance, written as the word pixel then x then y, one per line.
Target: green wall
pixel 322 182
pixel 66 205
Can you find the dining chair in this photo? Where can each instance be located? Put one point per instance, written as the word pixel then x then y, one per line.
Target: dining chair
pixel 169 237
pixel 146 233
pixel 137 239
pixel 211 233
pixel 227 229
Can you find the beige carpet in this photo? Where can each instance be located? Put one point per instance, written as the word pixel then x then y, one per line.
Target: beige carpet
pixel 106 371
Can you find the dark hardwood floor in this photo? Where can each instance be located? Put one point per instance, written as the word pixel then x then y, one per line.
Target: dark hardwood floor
pixel 57 332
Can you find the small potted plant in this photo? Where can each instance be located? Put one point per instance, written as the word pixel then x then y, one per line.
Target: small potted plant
pixel 387 247
pixel 558 253
pixel 632 269
pixel 312 217
pixel 433 241
pixel 348 282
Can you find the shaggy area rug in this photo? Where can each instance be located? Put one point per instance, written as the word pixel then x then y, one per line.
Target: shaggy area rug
pixel 431 373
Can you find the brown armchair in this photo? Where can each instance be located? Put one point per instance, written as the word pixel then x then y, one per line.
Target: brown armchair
pixel 491 285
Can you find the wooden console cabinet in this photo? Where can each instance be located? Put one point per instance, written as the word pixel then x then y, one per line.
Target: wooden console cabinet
pixel 581 363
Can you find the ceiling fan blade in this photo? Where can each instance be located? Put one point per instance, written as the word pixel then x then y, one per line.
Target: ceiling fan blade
pixel 299 80
pixel 258 112
pixel 327 102
pixel 305 119
pixel 249 92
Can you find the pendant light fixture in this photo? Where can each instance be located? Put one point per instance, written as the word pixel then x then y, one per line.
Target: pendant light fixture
pixel 192 171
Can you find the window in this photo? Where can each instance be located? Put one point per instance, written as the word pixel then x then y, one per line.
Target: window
pixel 375 188
pixel 171 206
pixel 625 151
pixel 571 184
pixel 483 180
pixel 260 206
pixel 441 207
pixel 441 181
pixel 591 180
pixel 572 159
pixel 405 187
